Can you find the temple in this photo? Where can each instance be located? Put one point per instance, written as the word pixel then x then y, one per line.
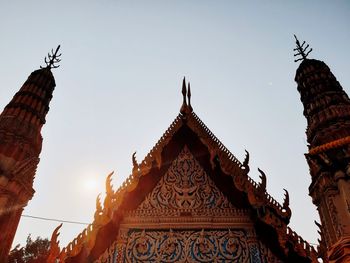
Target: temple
pixel 190 199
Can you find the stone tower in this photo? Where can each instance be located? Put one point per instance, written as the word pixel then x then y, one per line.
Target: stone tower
pixel 20 147
pixel 327 110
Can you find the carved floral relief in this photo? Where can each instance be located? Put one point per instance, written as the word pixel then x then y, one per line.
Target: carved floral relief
pixel 186 246
pixel 185 186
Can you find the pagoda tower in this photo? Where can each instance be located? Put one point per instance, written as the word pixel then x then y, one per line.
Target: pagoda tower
pixel 20 147
pixel 327 110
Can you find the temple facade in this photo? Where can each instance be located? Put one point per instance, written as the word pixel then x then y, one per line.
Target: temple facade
pixel 190 199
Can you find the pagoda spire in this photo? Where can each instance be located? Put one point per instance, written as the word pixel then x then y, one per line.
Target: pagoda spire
pixel 326 105
pixel 327 110
pixel 301 50
pixel 20 146
pixel 52 59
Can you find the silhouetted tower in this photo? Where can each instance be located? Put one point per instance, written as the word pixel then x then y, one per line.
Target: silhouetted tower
pixel 20 146
pixel 327 110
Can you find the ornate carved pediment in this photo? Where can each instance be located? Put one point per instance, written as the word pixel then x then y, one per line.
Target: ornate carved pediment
pixel 185 189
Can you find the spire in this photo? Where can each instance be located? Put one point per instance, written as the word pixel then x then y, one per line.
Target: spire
pixel 326 105
pixel 300 49
pixel 327 110
pixel 184 91
pixel 189 98
pixel 52 59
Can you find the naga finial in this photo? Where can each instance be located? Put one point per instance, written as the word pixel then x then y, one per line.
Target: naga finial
pixel 301 50
pixel 99 209
pixel 262 176
pixel 286 199
pixel 54 246
pixel 246 162
pixel 109 187
pixel 52 59
pixel 135 165
pixel 98 203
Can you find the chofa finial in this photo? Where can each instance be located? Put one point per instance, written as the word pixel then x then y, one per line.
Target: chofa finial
pixel 301 50
pixel 186 103
pixel 189 97
pixel 184 92
pixel 52 59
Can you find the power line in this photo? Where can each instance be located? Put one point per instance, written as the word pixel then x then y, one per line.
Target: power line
pixel 82 223
pixel 55 220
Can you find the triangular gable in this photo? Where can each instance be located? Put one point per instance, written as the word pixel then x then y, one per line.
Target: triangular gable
pixel 185 189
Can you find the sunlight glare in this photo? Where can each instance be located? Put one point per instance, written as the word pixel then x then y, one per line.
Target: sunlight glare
pixel 90 184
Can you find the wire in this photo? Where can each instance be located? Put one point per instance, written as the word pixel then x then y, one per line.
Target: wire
pixel 55 220
pixel 82 223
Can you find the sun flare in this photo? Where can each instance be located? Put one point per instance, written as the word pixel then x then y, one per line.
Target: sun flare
pixel 90 184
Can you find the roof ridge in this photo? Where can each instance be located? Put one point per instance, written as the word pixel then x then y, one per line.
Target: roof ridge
pixel 271 200
pixel 222 147
pixel 300 244
pixel 161 142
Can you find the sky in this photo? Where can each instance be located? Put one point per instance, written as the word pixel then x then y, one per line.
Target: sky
pixel 119 87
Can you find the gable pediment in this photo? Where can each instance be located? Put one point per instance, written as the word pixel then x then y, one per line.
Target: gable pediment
pixel 185 190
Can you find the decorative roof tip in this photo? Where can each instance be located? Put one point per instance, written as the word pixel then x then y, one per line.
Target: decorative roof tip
pixel 52 59
pixel 301 50
pixel 135 165
pixel 186 92
pixel 54 246
pixel 189 97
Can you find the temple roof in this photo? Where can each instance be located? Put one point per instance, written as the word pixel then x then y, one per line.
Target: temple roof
pixel 231 176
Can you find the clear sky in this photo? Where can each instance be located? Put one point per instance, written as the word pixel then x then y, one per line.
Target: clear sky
pixel 118 89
